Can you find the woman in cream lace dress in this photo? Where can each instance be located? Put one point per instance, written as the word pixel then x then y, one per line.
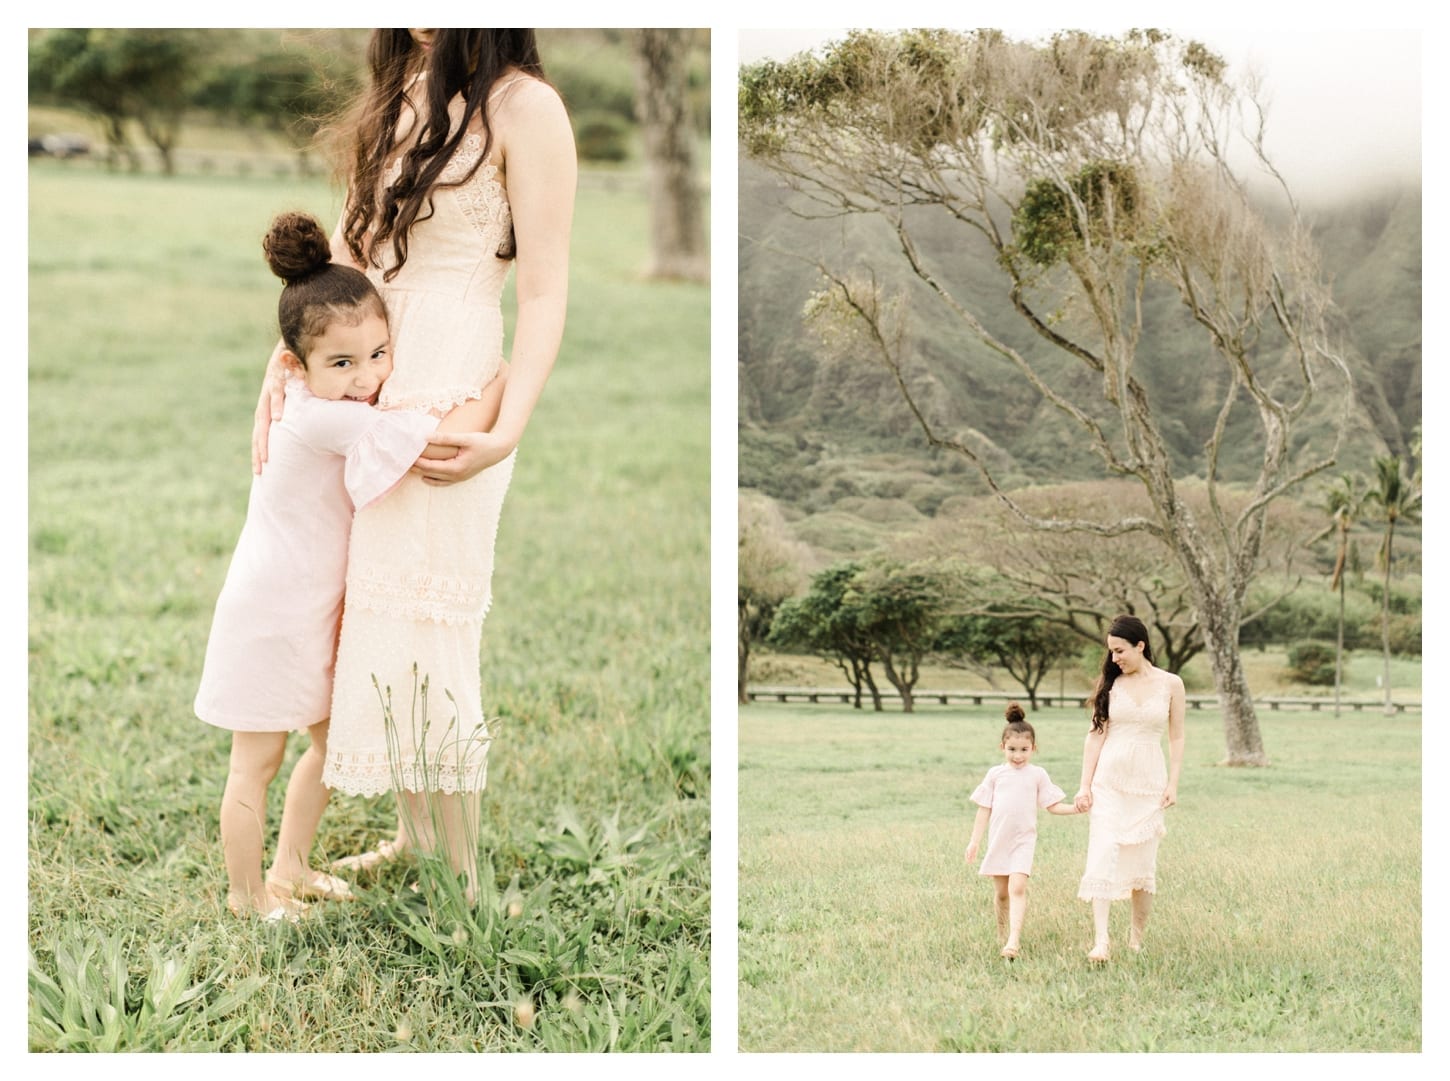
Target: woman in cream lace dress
pixel 1125 784
pixel 464 166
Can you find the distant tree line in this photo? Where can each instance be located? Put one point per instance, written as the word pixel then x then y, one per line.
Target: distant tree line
pixel 292 82
pixel 993 596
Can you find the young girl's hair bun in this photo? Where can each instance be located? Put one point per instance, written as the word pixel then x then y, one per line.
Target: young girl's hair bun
pixel 1014 713
pixel 296 247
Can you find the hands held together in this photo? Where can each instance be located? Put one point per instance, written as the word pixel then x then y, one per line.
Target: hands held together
pixel 1083 801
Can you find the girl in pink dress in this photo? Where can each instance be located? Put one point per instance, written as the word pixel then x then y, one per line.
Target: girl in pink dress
pixel 269 659
pixel 1009 797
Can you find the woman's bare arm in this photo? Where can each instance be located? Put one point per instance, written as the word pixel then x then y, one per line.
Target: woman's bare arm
pixel 478 415
pixel 540 170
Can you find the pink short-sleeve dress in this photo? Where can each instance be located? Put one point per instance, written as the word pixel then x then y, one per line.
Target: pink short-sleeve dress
pixel 269 659
pixel 1014 793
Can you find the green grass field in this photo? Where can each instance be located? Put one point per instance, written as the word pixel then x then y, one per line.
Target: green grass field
pixel 1288 914
pixel 151 316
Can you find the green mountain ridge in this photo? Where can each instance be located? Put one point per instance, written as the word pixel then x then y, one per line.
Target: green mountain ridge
pixel 816 429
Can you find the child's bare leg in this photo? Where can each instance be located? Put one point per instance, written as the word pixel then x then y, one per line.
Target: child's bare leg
pixel 1099 951
pixel 1002 905
pixel 1017 909
pixel 255 759
pixel 307 798
pixel 1142 908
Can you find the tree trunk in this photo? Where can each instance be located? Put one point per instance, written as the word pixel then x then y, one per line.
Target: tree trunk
pixel 1240 721
pixel 901 683
pixel 1339 647
pixel 677 229
pixel 1385 614
pixel 742 655
pixel 870 682
pixel 852 670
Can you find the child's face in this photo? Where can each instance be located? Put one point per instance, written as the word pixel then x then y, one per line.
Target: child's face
pixel 1018 750
pixel 350 361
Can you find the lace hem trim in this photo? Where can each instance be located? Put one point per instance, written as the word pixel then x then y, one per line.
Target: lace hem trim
pixel 431 597
pixel 373 779
pixel 436 401
pixel 1100 889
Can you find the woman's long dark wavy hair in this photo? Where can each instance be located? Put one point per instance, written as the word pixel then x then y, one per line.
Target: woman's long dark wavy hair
pixel 466 63
pixel 1130 629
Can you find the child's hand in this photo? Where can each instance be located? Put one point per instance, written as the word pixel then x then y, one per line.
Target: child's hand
pixel 971 854
pixel 269 406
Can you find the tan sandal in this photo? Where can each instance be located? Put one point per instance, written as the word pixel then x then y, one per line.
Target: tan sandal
pixel 371 860
pixel 286 910
pixel 317 887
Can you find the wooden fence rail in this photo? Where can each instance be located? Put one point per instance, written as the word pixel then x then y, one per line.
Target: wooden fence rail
pixel 1075 700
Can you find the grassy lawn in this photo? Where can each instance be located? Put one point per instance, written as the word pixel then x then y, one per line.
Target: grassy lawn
pixel 151 315
pixel 1288 914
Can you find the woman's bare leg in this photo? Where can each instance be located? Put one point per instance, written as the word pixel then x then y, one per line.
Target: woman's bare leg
pixel 446 823
pixel 1099 951
pixel 1142 909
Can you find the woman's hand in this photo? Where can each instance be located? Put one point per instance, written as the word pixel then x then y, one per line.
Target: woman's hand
pixel 1083 801
pixel 476 452
pixel 971 854
pixel 1170 796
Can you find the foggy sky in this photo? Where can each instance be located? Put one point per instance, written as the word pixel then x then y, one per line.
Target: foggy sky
pixel 1344 105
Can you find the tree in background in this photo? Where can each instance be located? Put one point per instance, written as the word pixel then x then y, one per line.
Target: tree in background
pixel 900 608
pixel 1344 502
pixel 1398 498
pixel 771 566
pixel 824 621
pixel 292 82
pixel 1100 172
pixel 677 220
pixel 145 76
pixel 1028 647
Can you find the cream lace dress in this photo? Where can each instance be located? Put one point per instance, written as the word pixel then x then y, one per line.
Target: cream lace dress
pixel 1127 788
pixel 407 710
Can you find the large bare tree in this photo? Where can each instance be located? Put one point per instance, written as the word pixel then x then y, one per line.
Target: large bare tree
pixel 1101 172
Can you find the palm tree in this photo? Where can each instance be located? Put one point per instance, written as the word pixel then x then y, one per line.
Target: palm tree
pixel 1344 501
pixel 1398 497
